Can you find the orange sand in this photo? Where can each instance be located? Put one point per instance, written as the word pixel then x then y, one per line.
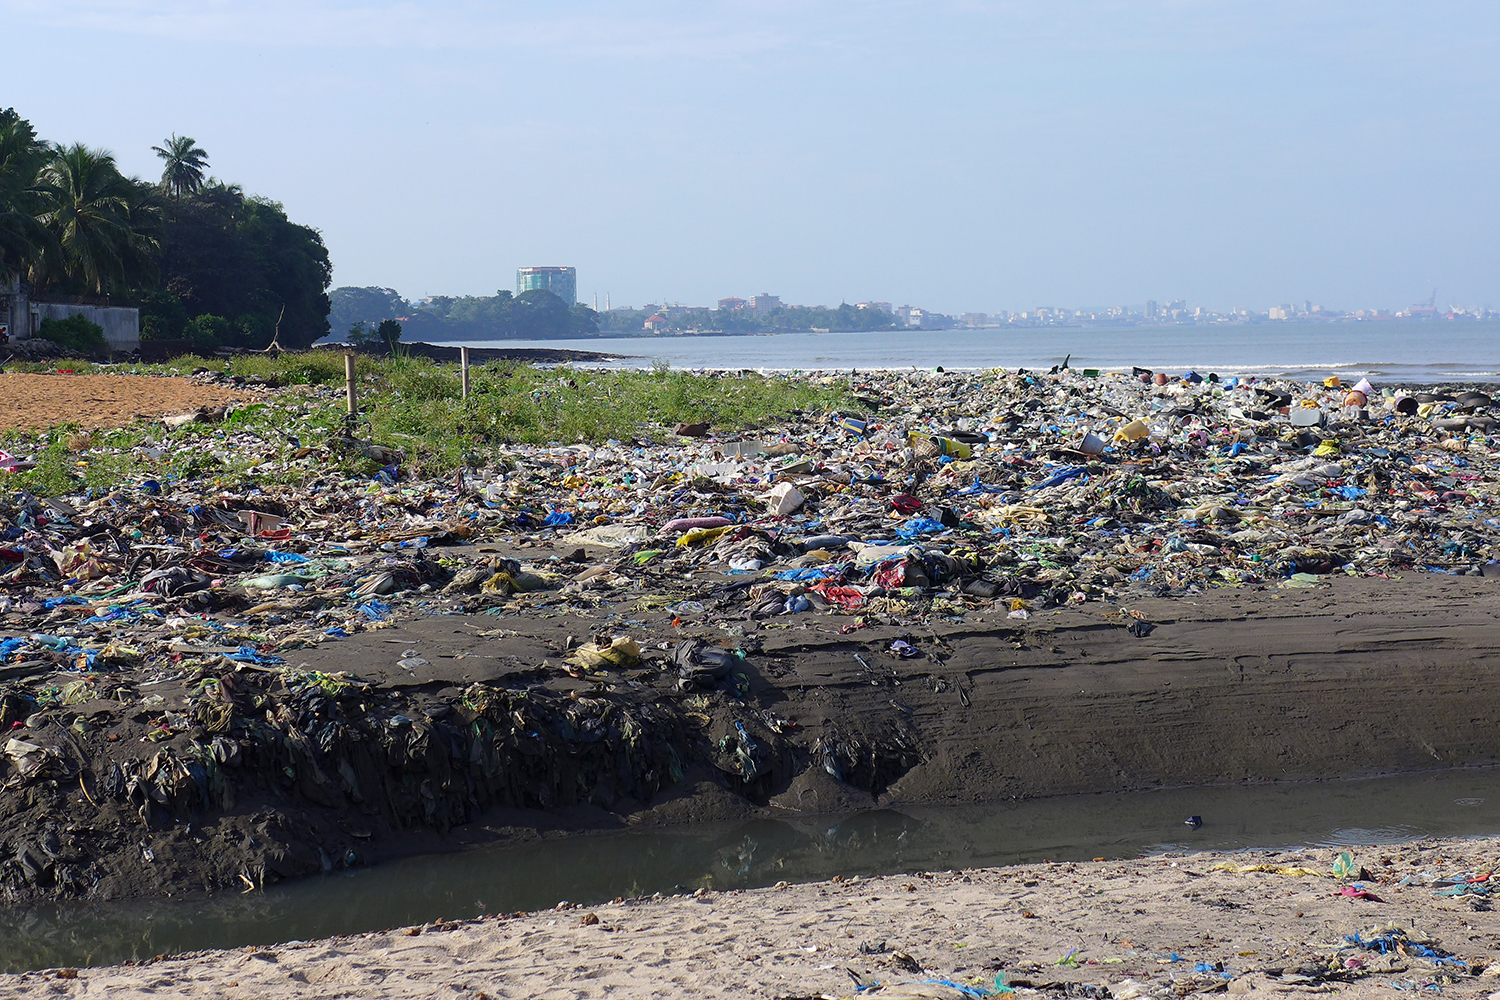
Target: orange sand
pixel 94 401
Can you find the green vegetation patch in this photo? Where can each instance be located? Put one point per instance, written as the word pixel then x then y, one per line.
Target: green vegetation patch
pixel 75 334
pixel 409 403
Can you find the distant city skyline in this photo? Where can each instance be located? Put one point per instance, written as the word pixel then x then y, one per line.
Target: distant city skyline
pixel 963 154
pixel 1148 308
pixel 563 281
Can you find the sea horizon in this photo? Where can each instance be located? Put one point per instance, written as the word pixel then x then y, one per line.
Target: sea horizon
pixel 1391 352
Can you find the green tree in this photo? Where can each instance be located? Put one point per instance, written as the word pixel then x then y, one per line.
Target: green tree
pixel 240 257
pixel 163 316
pixel 76 334
pixel 71 223
pixel 296 270
pixel 185 163
pixel 365 305
pixel 24 240
pixel 208 331
pixel 534 314
pixel 388 331
pixel 99 219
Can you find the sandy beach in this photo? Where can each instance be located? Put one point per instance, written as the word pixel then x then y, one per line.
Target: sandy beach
pixel 1258 923
pixel 97 401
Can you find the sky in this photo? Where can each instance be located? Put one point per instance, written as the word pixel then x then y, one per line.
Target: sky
pixel 958 155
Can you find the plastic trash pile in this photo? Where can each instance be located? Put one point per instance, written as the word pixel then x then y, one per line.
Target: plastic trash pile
pixel 954 491
pixel 947 493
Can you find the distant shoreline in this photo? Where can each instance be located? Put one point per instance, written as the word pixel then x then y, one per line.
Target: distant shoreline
pixel 482 355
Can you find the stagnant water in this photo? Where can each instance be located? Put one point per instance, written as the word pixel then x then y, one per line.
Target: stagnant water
pixel 597 867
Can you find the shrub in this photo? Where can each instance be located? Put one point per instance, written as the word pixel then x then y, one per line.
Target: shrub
pixel 208 331
pixel 75 334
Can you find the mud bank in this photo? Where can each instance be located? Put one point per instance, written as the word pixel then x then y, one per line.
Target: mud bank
pixel 446 730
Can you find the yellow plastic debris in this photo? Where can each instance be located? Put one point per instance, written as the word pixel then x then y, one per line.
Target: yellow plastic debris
pixel 622 652
pixel 1293 870
pixel 703 536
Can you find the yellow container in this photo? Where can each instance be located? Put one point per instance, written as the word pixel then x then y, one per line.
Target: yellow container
pixel 934 445
pixel 1133 431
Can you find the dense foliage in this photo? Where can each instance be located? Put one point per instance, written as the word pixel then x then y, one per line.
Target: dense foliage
pixel 203 261
pixel 76 333
pixel 532 315
pixel 349 305
pixel 239 261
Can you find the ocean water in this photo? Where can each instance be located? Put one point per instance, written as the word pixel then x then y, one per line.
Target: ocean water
pixel 1419 351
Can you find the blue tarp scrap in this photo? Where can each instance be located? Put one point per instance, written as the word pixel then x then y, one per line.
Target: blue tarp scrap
pixel 1397 941
pixel 1466 889
pixel 375 610
pixel 57 602
pixel 109 615
pixel 968 991
pixel 976 489
pixel 1061 476
pixel 557 519
pixel 249 654
pixel 810 574
pixel 919 526
pixel 286 557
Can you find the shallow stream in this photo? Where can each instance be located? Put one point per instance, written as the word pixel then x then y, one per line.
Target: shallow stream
pixel 593 868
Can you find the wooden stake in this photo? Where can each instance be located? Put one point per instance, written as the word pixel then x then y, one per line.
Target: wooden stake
pixel 349 388
pixel 463 364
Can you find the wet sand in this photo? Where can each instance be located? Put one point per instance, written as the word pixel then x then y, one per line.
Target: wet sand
pixel 1352 678
pixel 1355 677
pixel 1161 926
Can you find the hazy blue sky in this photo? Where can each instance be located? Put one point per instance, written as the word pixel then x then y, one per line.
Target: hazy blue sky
pixel 955 154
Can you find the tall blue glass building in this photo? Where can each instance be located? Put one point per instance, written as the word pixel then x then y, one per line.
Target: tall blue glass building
pixel 560 281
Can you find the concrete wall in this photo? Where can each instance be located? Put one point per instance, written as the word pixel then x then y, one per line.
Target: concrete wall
pixel 15 308
pixel 122 326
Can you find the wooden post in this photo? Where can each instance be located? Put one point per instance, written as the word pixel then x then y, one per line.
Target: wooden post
pixel 349 388
pixel 463 364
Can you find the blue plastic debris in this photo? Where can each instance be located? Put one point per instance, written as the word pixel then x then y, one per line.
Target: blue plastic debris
pixel 375 610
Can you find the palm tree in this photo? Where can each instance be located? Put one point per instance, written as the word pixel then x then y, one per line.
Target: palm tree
pixel 145 223
pixel 23 238
pixel 89 208
pixel 186 161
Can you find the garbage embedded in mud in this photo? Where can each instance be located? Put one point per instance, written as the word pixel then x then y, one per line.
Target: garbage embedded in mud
pixel 148 633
